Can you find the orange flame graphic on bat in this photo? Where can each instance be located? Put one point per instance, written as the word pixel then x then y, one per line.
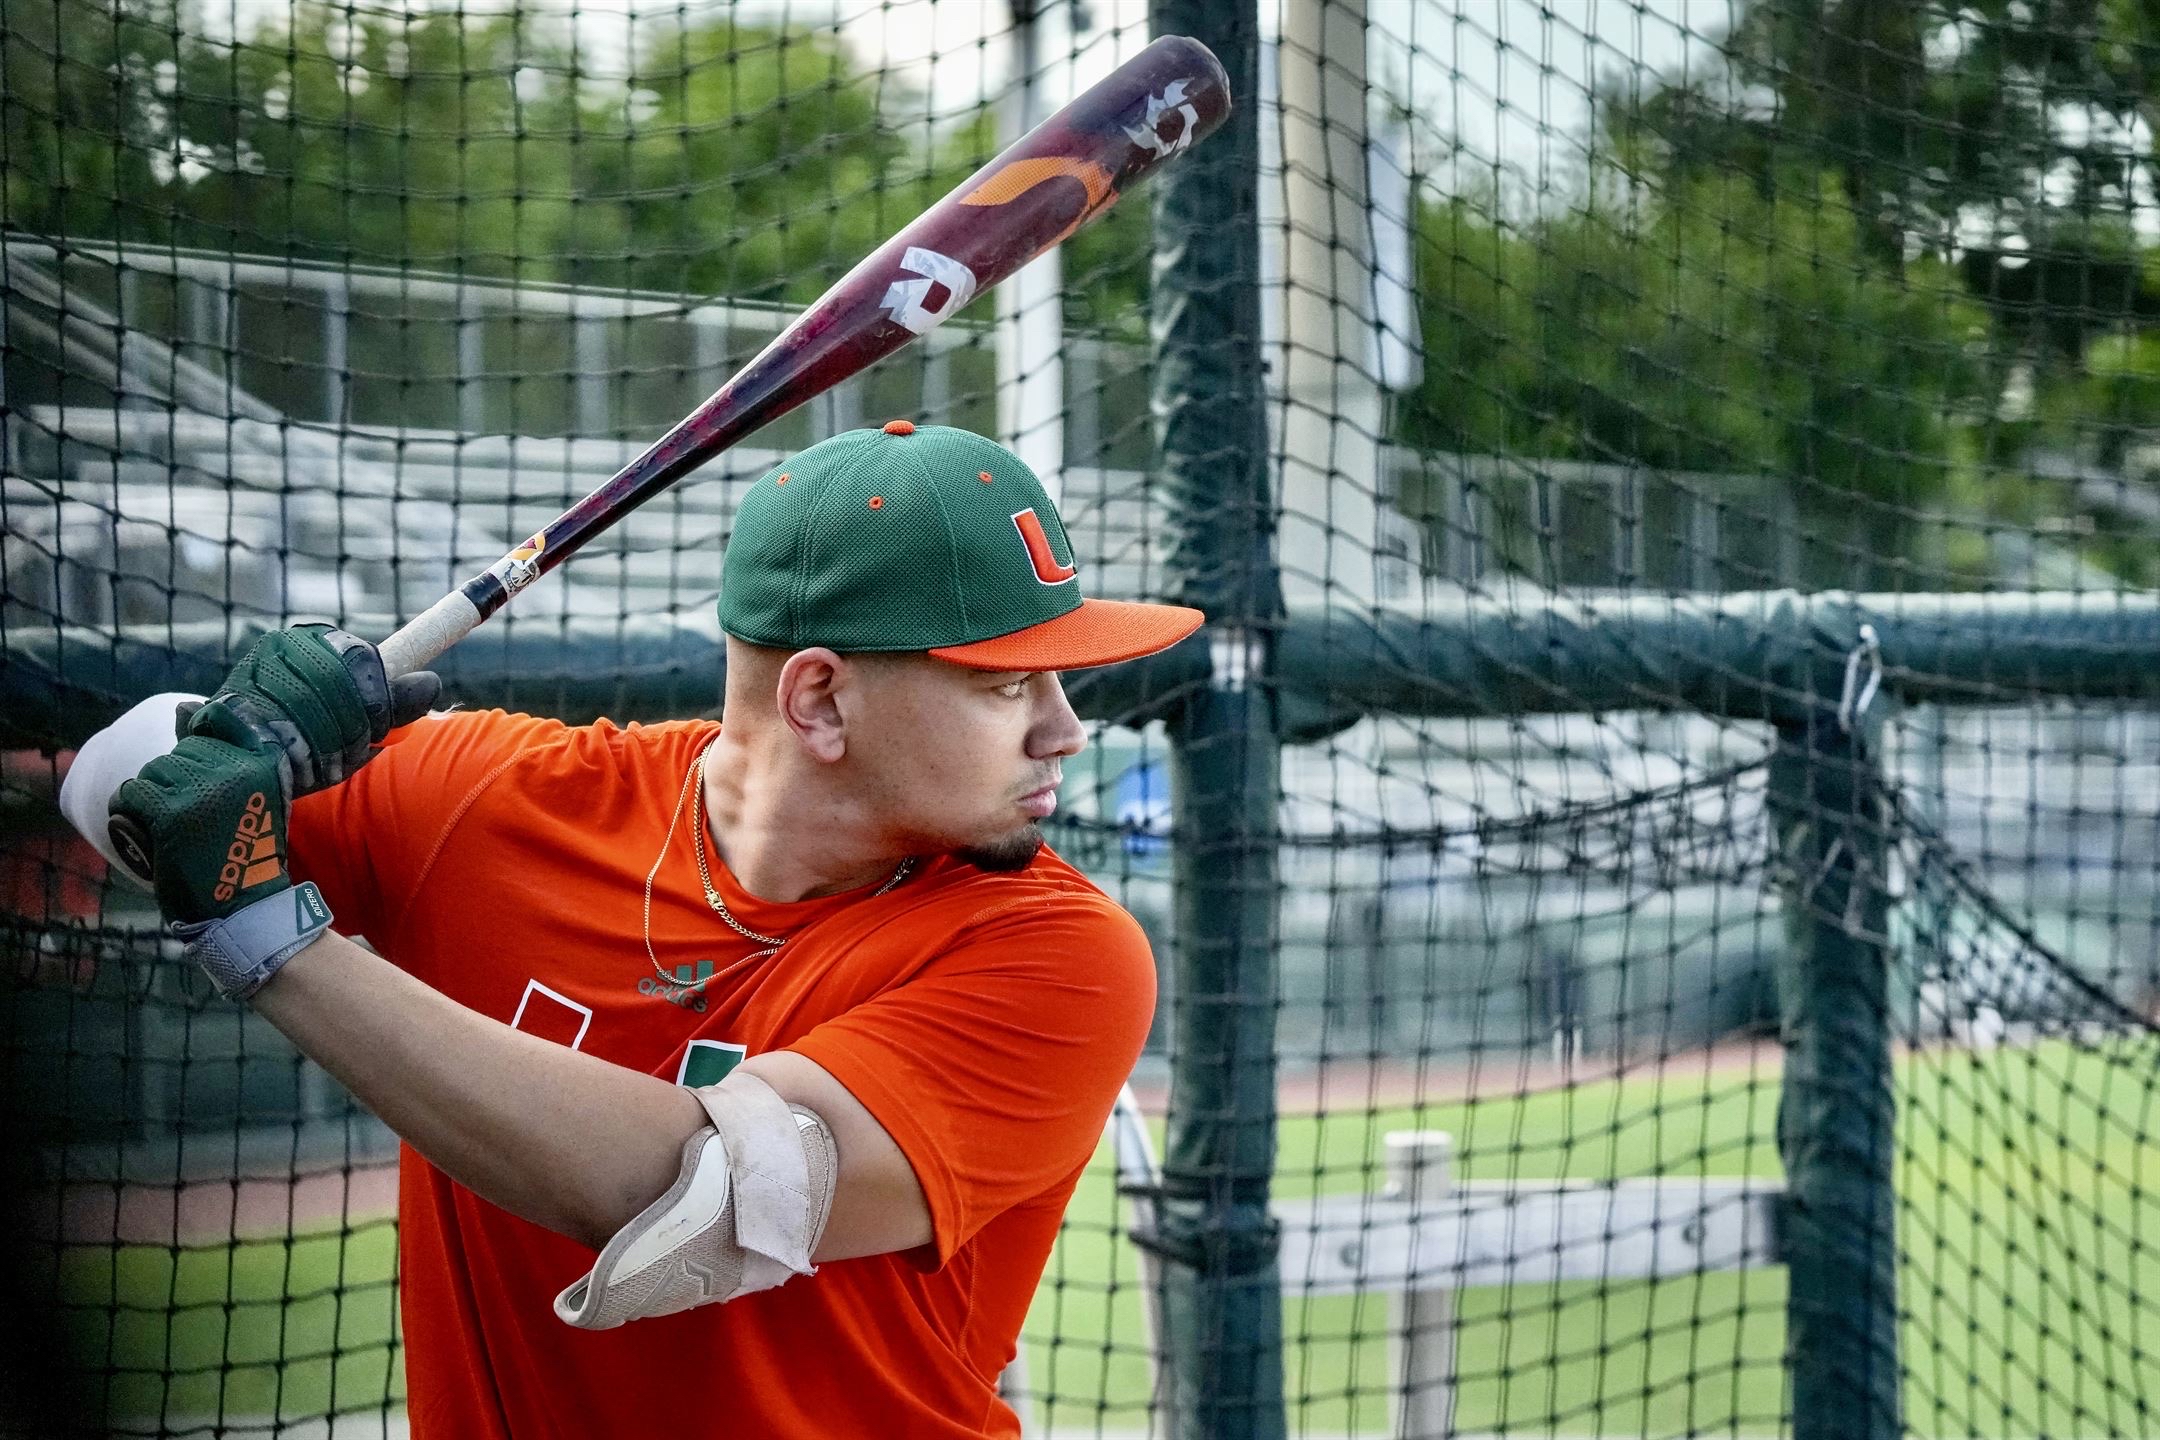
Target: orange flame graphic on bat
pixel 1018 178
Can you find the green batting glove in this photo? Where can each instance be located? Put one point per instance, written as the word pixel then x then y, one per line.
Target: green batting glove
pixel 210 820
pixel 316 696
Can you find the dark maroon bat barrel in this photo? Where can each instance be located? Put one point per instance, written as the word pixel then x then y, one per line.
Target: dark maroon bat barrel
pixel 1043 187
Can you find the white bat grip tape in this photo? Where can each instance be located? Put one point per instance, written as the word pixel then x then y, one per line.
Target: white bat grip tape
pixel 111 758
pixel 427 635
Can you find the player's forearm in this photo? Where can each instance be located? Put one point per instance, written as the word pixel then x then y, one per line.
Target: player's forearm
pixel 565 1140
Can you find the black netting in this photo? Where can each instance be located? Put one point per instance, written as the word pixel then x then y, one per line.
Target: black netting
pixel 1652 865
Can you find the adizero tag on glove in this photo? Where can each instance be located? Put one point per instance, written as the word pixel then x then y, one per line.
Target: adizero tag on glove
pixel 211 821
pixel 319 697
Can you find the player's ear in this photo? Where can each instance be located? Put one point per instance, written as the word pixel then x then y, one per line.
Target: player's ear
pixel 807 698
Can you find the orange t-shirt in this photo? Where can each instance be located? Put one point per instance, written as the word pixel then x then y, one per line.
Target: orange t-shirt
pixel 987 1021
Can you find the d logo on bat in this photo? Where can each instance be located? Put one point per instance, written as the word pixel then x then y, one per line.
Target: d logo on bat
pixel 909 300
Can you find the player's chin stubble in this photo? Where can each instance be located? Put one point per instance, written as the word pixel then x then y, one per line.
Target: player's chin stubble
pixel 1014 852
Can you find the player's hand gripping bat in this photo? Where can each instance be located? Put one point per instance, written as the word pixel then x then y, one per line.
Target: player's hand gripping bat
pixel 1043 187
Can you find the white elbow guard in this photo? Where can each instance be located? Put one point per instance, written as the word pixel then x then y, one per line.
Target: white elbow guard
pixel 744 1215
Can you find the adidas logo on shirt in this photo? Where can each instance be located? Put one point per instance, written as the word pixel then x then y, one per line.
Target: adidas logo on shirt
pixel 685 992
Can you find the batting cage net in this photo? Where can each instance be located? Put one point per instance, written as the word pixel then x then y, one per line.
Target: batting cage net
pixel 1651 861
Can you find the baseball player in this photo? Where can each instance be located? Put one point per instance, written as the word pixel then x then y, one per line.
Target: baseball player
pixel 790 1017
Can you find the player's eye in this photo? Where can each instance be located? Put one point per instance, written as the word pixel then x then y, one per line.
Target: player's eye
pixel 1013 690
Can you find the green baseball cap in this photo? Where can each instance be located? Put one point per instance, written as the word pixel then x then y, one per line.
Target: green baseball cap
pixel 922 537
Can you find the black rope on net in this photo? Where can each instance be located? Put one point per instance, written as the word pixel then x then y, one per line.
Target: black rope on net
pixel 1575 815
pixel 1934 852
pixel 136 964
pixel 1487 830
pixel 1936 855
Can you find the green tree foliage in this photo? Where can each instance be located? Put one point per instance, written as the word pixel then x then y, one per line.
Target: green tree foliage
pixel 1878 248
pixel 1993 117
pixel 2115 398
pixel 2013 138
pixel 1705 329
pixel 746 160
pixel 80 118
pixel 424 140
pixel 740 160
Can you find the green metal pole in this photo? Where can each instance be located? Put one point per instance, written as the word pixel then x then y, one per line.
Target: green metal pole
pixel 1222 1296
pixel 1837 1113
pixel 1736 654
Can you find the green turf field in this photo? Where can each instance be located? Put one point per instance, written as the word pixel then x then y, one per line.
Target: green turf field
pixel 2031 1209
pixel 288 1329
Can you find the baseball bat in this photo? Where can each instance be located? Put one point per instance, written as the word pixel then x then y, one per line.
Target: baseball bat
pixel 1042 188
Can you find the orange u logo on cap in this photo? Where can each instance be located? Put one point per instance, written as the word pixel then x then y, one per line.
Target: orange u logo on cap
pixel 1047 569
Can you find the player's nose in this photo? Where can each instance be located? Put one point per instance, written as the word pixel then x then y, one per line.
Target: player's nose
pixel 1057 729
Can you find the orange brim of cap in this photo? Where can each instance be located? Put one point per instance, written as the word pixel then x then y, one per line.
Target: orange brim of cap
pixel 1100 632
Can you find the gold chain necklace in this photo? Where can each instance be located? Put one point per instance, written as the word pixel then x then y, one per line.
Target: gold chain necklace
pixel 694 790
